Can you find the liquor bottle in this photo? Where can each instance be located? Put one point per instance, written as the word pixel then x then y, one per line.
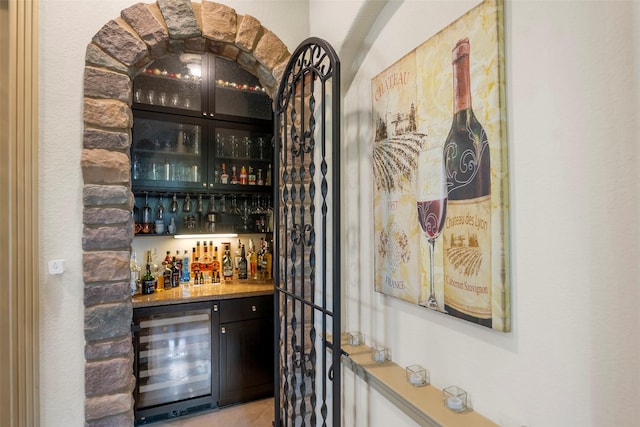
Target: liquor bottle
pixel 266 262
pixel 154 267
pixel 198 252
pixel 148 281
pixel 242 264
pixel 268 179
pixel 185 268
pixel 224 176
pixel 260 181
pixel 135 270
pixel 206 261
pixel 467 233
pixel 215 265
pixel 227 264
pixel 167 272
pixel 243 176
pixel 252 176
pixel 175 273
pixel 253 260
pixel 234 177
pixel 236 257
pixel 195 270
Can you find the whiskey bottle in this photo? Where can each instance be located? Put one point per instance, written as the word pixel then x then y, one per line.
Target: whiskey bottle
pixel 242 264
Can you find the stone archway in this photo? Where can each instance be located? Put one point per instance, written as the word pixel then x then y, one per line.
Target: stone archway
pixel 116 54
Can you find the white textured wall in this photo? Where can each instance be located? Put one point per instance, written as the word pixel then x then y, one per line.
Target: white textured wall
pixel 66 27
pixel 572 93
pixel 573 358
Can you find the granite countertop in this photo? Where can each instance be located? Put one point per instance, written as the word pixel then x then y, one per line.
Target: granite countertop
pixel 206 292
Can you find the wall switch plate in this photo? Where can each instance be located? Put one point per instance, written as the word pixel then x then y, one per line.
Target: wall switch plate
pixel 56 266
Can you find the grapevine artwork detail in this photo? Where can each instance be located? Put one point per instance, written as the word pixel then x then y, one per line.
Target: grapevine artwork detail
pixel 441 174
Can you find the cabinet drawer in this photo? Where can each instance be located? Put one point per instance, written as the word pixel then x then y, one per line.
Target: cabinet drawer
pixel 234 310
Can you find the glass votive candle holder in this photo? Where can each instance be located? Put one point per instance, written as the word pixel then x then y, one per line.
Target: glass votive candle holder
pixel 455 399
pixel 417 376
pixel 354 338
pixel 380 354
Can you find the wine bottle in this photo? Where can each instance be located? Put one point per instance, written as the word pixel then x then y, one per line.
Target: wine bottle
pixel 227 264
pixel 148 281
pixel 242 264
pixel 253 260
pixel 467 233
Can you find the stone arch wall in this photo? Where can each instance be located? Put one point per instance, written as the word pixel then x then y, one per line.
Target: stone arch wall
pixel 115 55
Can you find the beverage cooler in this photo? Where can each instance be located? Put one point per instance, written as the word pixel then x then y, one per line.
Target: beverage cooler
pixel 175 364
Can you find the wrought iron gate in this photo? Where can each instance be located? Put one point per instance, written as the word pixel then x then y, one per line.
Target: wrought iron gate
pixel 307 243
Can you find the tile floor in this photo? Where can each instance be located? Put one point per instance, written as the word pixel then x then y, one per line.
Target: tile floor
pixel 253 414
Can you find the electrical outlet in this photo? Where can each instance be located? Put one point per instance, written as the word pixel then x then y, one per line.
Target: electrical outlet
pixel 56 266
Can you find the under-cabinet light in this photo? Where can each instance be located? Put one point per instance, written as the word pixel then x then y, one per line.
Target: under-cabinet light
pixel 204 236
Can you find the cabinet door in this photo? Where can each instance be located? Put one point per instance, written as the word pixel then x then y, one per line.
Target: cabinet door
pixel 246 360
pixel 173 355
pixel 167 152
pixel 242 148
pixel 238 93
pixel 173 82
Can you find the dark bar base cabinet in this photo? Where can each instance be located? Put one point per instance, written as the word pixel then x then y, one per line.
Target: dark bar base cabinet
pixel 192 357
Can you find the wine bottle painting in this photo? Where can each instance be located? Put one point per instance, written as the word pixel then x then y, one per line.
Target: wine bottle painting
pixel 440 169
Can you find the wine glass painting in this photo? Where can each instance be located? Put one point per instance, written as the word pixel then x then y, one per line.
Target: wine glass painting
pixel 431 201
pixel 440 173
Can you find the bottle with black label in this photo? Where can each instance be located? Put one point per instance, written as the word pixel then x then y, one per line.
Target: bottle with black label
pixel 242 264
pixel 227 264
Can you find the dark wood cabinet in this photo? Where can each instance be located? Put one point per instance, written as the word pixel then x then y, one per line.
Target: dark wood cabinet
pixel 246 350
pixel 202 127
pixel 195 356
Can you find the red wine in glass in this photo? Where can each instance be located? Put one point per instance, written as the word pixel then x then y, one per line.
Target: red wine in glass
pixel 431 215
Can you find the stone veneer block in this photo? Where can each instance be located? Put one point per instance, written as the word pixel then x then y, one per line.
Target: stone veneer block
pixel 249 32
pixel 107 238
pixel 105 167
pixel 195 45
pixel 107 376
pixel 121 347
pixel 121 44
pixel 219 22
pixel 270 50
pixel 247 61
pixel 107 113
pixel 99 407
pixel 107 293
pixel 152 32
pixel 101 83
pixel 267 80
pixel 100 195
pixel 97 138
pixel 106 266
pixel 118 420
pixel 106 216
pixel 180 18
pixel 106 321
pixel 97 57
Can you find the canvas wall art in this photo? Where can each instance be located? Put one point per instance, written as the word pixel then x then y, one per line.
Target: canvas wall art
pixel 441 173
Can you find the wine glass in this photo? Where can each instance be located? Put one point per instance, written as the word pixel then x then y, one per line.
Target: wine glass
pixel 431 199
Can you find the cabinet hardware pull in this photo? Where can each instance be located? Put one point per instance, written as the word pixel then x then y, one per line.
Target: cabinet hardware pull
pixel 223 330
pixel 253 308
pixel 215 307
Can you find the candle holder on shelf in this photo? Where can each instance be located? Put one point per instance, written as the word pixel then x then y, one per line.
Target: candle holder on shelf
pixel 354 338
pixel 417 376
pixel 380 354
pixel 455 399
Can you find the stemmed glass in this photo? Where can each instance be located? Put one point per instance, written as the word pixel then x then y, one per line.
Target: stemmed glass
pixel 431 198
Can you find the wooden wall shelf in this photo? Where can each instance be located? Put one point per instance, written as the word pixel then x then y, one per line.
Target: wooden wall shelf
pixel 421 404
